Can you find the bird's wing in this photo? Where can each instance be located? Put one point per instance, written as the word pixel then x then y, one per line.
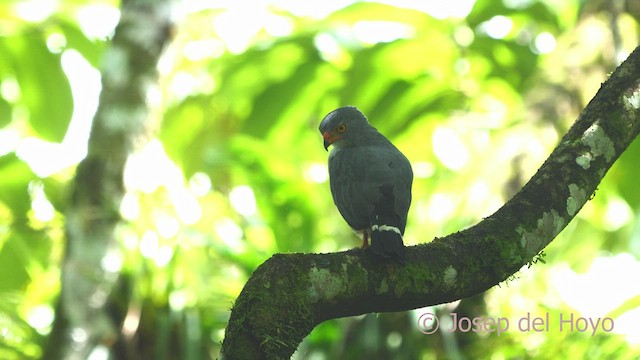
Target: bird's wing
pixel 357 175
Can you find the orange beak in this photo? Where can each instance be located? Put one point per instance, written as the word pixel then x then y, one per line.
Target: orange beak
pixel 327 140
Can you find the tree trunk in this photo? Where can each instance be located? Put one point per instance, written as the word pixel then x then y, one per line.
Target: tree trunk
pixel 85 323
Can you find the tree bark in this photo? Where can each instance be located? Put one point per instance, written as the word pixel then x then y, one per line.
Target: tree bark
pixel 84 322
pixel 290 294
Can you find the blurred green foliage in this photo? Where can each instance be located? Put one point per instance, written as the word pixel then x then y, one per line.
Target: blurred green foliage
pixel 237 172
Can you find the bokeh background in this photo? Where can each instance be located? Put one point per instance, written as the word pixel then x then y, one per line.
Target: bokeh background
pixel 475 93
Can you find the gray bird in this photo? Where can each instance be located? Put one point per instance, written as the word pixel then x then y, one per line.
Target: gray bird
pixel 370 181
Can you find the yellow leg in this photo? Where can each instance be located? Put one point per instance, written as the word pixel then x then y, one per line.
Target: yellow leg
pixel 365 239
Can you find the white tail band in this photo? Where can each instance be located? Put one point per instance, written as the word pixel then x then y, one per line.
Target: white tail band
pixel 386 228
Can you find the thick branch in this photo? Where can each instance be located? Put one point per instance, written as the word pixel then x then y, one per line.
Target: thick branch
pixel 288 295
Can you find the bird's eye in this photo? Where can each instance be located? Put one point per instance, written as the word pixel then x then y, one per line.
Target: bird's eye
pixel 342 128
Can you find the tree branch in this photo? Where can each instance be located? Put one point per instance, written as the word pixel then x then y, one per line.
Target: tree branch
pixel 288 295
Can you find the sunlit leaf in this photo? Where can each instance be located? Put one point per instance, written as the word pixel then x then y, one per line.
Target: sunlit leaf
pixel 44 88
pixel 15 176
pixel 5 112
pixel 75 39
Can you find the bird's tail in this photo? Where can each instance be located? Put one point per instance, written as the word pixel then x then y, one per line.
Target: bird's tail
pixel 386 228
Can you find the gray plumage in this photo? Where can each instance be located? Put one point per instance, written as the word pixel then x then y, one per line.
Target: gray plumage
pixel 370 180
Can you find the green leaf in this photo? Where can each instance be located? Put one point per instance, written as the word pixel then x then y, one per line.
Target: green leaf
pixel 193 135
pixel 91 50
pixel 13 261
pixel 624 174
pixel 57 193
pixel 270 105
pixel 15 176
pixel 630 304
pixel 44 87
pixel 5 112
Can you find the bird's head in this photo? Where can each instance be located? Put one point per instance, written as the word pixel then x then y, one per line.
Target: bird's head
pixel 342 125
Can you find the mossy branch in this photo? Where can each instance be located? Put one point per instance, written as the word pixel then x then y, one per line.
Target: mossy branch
pixel 288 295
